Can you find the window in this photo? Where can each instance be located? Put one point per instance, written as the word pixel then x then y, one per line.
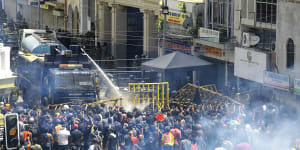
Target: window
pixel 290 57
pixel 266 11
pixel 267 39
pixel 221 11
pixel 219 16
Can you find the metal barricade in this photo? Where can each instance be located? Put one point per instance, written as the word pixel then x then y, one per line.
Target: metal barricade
pixel 156 94
pixel 110 102
pixel 188 93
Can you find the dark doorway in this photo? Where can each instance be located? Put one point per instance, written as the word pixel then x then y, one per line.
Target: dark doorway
pixel 134 32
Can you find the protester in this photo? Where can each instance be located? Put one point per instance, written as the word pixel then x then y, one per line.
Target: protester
pixel 63 141
pixel 178 127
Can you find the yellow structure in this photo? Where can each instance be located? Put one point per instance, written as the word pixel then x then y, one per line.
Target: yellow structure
pixel 149 93
pixel 187 93
pixel 110 102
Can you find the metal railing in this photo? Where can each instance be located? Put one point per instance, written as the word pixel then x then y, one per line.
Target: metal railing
pixel 156 94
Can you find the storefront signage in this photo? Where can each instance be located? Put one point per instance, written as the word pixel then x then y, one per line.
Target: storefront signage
pixel 250 64
pixel 277 80
pixel 214 51
pixel 297 86
pixel 209 35
pixel 175 17
pixel 176 46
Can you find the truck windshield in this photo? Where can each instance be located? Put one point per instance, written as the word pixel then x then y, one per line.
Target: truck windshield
pixel 75 82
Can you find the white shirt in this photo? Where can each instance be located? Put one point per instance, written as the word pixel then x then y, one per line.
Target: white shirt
pixel 63 137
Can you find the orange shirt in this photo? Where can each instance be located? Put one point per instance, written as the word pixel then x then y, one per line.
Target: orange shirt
pixel 26 134
pixel 58 128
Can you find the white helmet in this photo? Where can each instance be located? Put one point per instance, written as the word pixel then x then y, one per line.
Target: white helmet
pixel 65 107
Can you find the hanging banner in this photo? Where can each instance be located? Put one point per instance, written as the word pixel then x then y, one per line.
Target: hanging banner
pixel 277 80
pixel 297 86
pixel 175 17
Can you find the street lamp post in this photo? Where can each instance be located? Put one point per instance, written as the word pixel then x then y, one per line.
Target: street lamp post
pixel 165 11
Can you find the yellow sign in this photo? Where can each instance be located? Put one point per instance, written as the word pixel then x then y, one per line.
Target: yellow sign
pixel 46 6
pixel 175 17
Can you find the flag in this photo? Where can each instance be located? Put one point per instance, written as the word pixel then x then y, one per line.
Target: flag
pixel 160 117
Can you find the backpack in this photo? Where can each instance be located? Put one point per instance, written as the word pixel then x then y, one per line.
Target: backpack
pixel 194 147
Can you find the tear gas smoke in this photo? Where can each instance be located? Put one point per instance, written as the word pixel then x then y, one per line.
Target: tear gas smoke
pixel 129 106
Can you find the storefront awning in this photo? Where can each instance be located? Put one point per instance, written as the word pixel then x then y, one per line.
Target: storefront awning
pixel 192 1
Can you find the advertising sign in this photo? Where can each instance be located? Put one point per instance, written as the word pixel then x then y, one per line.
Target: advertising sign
pixel 277 80
pixel 214 51
pixel 175 17
pixel 297 86
pixel 176 46
pixel 209 35
pixel 250 64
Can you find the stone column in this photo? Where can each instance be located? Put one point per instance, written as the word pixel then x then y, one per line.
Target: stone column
pixel 150 41
pixel 83 13
pixel 103 24
pixel 119 28
pixel 194 71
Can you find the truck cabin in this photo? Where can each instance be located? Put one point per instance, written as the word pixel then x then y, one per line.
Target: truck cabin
pixel 71 85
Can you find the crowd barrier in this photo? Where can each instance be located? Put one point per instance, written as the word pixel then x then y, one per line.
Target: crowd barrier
pixel 110 102
pixel 156 94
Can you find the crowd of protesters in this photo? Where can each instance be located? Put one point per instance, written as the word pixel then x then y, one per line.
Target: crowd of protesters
pixel 102 127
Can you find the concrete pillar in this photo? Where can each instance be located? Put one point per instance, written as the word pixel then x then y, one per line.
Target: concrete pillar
pixel 10 8
pixel 206 14
pixel 194 71
pixel 5 59
pixel 103 24
pixel 119 28
pixel 226 73
pixel 150 42
pixel 70 19
pixel 84 6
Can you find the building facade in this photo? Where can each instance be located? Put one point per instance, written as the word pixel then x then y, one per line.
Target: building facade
pixel 214 40
pixel 128 26
pixel 51 13
pixel 267 35
pixel 287 51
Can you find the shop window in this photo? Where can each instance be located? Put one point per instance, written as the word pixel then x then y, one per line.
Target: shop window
pixel 266 11
pixel 290 57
